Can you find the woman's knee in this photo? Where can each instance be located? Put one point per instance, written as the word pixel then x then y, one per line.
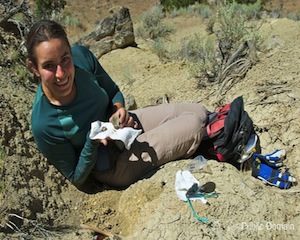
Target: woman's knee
pixel 195 123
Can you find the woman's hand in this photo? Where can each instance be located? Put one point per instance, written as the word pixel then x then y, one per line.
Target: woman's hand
pixel 104 141
pixel 123 117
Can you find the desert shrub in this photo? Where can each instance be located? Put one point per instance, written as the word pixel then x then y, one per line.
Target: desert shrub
pixel 178 12
pixel 232 28
pixel 176 4
pixel 13 55
pixel 237 41
pixel 225 55
pixel 22 72
pixel 241 1
pixel 202 10
pixel 48 8
pixel 160 49
pixel 230 25
pixel 249 10
pixel 2 156
pixel 196 9
pixel 68 20
pixel 152 26
pixel 294 16
pixel 199 51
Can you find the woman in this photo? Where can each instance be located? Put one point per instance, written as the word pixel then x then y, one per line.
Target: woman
pixel 75 91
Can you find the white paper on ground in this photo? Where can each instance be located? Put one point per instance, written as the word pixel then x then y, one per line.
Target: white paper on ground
pixel 103 130
pixel 185 180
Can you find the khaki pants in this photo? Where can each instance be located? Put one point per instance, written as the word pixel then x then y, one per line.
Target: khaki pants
pixel 170 132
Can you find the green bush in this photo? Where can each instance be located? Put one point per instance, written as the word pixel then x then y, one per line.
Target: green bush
pixel 207 56
pixel 179 12
pixel 233 27
pixel 202 10
pixel 250 10
pixel 294 16
pixel 2 156
pixel 230 25
pixel 176 4
pixel 197 9
pixel 199 51
pixel 48 8
pixel 22 72
pixel 152 26
pixel 241 1
pixel 69 20
pixel 160 49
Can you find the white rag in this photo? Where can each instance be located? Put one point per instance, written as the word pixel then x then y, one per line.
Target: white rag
pixel 185 180
pixel 103 130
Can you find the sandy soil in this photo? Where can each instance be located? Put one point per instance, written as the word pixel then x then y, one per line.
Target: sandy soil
pixel 272 99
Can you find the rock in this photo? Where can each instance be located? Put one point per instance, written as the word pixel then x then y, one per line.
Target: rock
pixel 130 102
pixel 8 21
pixel 115 31
pixel 161 100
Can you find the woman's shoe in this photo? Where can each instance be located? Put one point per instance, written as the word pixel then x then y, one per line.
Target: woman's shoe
pixel 272 176
pixel 274 159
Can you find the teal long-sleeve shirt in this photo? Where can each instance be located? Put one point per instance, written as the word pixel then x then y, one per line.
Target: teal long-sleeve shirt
pixel 61 132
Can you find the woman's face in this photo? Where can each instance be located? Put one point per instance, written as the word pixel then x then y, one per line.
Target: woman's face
pixel 54 67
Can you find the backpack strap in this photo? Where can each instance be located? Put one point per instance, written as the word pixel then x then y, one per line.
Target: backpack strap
pixel 216 124
pixel 223 109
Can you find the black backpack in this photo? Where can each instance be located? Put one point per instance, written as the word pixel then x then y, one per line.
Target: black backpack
pixel 227 132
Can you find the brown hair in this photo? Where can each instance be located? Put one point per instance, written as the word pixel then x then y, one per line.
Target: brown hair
pixel 41 31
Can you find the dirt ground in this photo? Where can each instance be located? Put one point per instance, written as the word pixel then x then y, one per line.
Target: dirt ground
pixel 150 209
pixel 271 93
